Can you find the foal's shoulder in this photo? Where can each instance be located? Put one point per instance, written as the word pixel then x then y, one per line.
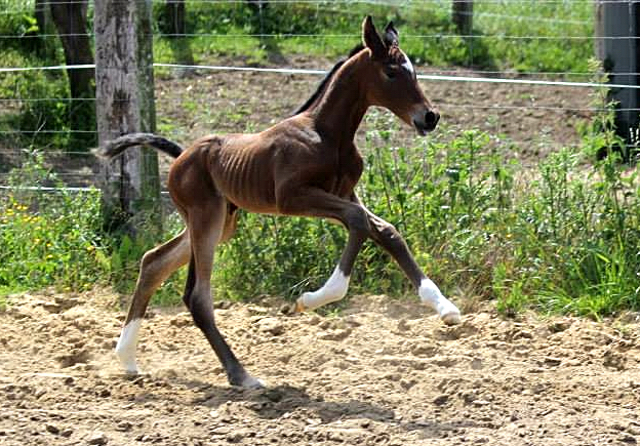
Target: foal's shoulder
pixel 296 130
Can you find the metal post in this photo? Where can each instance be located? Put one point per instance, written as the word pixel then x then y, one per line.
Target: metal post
pixel 617 30
pixel 462 16
pixel 125 104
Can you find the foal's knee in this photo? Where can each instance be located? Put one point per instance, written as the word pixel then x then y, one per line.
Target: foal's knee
pixel 386 232
pixel 357 220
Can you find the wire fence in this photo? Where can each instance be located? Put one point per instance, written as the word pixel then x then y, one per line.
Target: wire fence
pixel 229 92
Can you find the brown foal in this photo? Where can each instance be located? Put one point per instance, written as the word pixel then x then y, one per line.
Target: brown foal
pixel 306 165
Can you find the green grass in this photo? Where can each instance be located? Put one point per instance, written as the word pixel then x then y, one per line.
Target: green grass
pixel 556 245
pixel 49 239
pixel 427 34
pixel 551 26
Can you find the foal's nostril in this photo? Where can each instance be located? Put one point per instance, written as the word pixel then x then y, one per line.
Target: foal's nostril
pixel 431 118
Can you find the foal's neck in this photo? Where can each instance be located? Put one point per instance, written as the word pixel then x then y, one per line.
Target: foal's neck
pixel 341 108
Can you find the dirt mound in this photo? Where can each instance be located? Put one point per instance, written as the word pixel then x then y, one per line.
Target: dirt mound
pixel 385 372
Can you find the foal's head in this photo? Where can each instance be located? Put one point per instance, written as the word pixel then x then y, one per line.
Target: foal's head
pixel 392 81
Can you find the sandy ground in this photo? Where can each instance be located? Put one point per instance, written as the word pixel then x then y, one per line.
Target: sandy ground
pixel 383 372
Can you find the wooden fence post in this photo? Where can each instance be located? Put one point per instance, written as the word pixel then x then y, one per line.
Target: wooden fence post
pixel 462 16
pixel 125 104
pixel 617 29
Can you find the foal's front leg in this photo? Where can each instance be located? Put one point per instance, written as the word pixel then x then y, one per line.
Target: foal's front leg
pixel 336 287
pixel 386 236
pixel 314 202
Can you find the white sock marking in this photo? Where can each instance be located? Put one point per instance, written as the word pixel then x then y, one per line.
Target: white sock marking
pixel 334 289
pixel 431 295
pixel 251 382
pixel 126 347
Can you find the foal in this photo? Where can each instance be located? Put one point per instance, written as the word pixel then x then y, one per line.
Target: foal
pixel 306 165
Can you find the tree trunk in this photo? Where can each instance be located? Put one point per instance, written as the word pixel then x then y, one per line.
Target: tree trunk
pixel 125 104
pixel 44 46
pixel 462 16
pixel 70 18
pixel 173 24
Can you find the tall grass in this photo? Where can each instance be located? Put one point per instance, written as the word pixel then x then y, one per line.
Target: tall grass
pixel 563 239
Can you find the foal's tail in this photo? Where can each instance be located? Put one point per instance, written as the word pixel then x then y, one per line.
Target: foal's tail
pixel 119 145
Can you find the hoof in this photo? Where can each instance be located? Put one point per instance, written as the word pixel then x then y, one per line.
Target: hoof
pixel 451 318
pixel 299 307
pixel 449 313
pixel 131 370
pixel 129 366
pixel 249 382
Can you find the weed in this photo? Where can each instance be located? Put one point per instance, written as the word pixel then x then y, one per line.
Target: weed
pixel 49 239
pixel 567 242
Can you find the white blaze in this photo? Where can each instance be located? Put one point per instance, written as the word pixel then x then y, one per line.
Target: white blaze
pixel 334 289
pixel 126 347
pixel 407 65
pixel 431 295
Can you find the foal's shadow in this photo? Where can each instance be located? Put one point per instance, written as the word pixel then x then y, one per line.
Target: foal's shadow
pixel 273 402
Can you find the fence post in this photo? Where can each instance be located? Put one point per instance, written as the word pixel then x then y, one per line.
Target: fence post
pixel 70 18
pixel 462 16
pixel 617 29
pixel 125 104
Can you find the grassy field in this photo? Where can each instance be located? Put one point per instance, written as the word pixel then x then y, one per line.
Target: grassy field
pixel 512 35
pixel 515 36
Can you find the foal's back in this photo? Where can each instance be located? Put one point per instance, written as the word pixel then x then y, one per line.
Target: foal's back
pixel 248 169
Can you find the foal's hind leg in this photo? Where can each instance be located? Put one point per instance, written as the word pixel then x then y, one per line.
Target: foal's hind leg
pixel 157 264
pixel 206 226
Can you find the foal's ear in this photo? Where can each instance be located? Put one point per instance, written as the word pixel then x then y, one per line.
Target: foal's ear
pixel 391 36
pixel 372 40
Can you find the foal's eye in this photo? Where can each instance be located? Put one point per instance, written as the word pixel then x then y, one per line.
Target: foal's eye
pixel 390 72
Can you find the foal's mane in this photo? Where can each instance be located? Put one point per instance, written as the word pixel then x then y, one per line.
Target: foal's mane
pixel 325 82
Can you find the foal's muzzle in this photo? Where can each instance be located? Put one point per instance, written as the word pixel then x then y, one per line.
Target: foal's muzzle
pixel 427 122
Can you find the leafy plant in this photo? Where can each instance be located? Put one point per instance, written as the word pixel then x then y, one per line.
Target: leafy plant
pixel 49 238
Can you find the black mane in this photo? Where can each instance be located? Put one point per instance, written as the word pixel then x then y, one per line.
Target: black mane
pixel 325 81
